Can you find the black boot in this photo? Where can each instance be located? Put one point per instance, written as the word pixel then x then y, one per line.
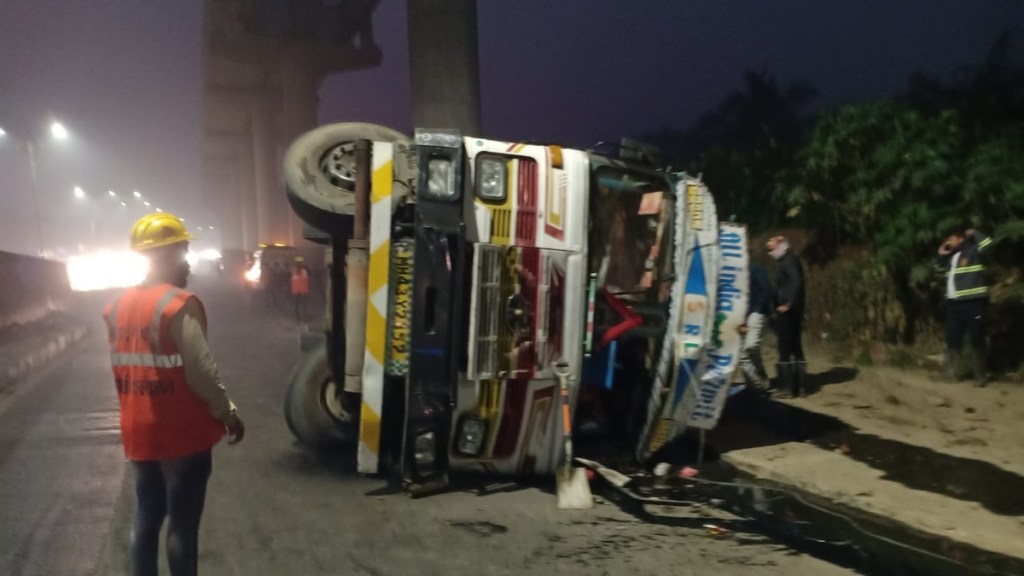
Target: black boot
pixel 785 385
pixel 981 377
pixel 799 379
pixel 952 364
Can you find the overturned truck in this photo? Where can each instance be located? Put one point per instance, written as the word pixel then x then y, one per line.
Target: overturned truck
pixel 482 292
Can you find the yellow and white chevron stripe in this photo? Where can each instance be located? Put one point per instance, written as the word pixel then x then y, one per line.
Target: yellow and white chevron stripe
pixel 377 306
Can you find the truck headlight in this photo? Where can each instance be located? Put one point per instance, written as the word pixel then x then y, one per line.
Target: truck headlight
pixel 425 450
pixel 440 178
pixel 472 433
pixel 490 178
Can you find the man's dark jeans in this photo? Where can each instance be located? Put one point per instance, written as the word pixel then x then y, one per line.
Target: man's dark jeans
pixel 788 326
pixel 966 317
pixel 174 489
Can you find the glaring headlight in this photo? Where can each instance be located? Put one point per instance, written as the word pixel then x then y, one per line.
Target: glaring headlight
pixel 105 269
pixel 253 274
pixel 490 179
pixel 425 446
pixel 210 254
pixel 472 433
pixel 440 179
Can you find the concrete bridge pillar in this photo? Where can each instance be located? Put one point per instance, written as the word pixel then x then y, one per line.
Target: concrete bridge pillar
pixel 443 64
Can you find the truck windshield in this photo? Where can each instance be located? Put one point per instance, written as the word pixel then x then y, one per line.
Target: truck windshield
pixel 631 227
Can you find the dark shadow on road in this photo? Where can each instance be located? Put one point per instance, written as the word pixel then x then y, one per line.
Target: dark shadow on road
pixel 339 463
pixel 483 485
pixel 832 376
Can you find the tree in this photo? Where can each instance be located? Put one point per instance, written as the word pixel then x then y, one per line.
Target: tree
pixel 742 145
pixel 886 175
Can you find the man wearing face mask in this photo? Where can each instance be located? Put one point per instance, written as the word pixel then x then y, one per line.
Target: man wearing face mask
pixel 173 407
pixel 966 299
pixel 789 309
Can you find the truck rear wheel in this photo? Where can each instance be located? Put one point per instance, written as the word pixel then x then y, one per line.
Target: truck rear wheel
pixel 312 405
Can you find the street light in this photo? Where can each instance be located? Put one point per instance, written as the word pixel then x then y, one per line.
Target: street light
pixel 123 203
pixel 136 194
pixel 3 133
pixel 58 131
pixel 81 195
pixel 146 202
pixel 111 192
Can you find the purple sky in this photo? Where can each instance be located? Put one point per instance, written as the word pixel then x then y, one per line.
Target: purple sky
pixel 124 76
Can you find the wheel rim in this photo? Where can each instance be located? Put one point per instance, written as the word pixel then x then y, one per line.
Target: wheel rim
pixel 339 166
pixel 330 401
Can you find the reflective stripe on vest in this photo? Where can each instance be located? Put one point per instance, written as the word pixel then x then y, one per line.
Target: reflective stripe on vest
pixel 971 292
pixel 158 312
pixel 118 359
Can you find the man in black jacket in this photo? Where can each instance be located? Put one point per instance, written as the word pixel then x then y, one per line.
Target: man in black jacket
pixel 789 307
pixel 966 298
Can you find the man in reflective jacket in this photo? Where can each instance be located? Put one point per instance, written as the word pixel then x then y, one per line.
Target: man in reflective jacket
pixel 300 287
pixel 966 299
pixel 173 407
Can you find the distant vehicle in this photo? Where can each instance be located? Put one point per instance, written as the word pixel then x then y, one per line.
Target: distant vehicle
pixel 208 261
pixel 270 271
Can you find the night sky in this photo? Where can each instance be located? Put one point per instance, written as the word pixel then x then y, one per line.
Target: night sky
pixel 124 76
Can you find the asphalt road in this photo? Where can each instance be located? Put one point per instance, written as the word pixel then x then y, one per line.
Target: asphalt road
pixel 275 508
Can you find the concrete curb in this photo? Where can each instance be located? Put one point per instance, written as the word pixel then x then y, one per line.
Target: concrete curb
pixel 16 365
pixel 859 497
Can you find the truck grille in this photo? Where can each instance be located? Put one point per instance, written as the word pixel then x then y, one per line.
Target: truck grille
pixel 490 261
pixel 526 202
pixel 501 224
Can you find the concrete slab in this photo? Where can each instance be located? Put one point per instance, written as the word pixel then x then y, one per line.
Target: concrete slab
pixel 835 477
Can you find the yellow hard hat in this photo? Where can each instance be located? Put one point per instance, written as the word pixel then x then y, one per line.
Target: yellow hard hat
pixel 158 229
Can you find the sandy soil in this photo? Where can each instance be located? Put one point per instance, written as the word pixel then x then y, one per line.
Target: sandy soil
pixel 908 405
pixel 965 484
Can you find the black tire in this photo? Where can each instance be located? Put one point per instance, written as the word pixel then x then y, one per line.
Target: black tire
pixel 327 202
pixel 305 407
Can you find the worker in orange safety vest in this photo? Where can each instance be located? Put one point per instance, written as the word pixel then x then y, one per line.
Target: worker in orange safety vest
pixel 300 287
pixel 173 407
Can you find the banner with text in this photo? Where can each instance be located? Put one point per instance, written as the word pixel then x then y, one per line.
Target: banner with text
pixel 730 313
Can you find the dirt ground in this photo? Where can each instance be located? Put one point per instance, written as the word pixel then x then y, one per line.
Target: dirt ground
pixel 943 457
pixel 911 406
